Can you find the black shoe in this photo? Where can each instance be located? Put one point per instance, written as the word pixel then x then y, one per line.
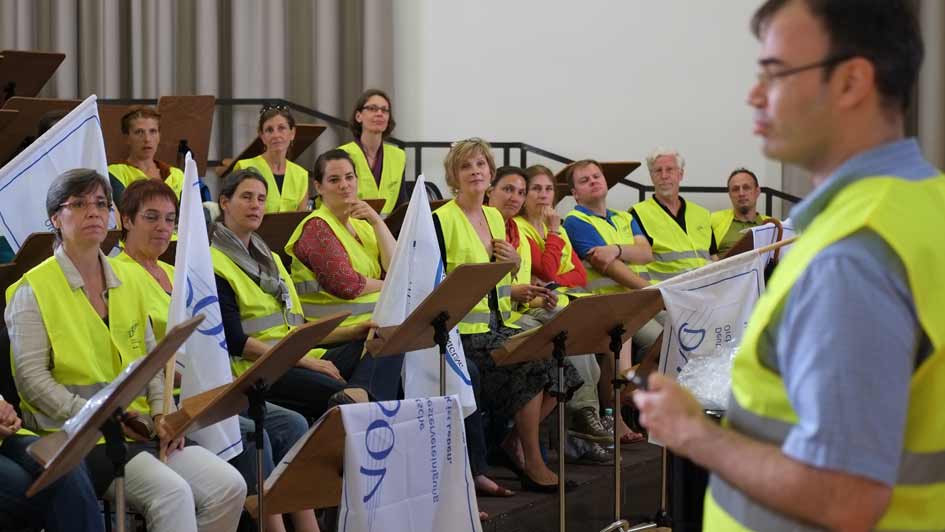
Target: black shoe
pixel 349 396
pixel 530 485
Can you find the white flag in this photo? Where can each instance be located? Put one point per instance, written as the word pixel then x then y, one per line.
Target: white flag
pixel 707 313
pixel 406 468
pixel 415 270
pixel 73 142
pixel 767 234
pixel 204 363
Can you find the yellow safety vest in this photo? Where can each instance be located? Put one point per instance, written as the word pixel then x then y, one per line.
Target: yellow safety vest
pixel 294 184
pixel 85 355
pixel 619 233
pixel 903 213
pixel 526 229
pixel 721 221
pixel 157 300
pixel 392 174
pixel 127 174
pixel 675 251
pixel 261 314
pixel 365 257
pixel 464 247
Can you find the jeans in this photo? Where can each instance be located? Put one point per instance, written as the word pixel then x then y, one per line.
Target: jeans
pixel 69 504
pixel 283 427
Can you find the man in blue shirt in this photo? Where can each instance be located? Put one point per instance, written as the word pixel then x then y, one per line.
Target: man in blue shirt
pixel 834 82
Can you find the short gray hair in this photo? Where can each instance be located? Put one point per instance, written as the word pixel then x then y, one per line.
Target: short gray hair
pixel 75 182
pixel 661 152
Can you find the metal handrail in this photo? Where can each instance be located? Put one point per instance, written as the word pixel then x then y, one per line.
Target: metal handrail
pixel 523 148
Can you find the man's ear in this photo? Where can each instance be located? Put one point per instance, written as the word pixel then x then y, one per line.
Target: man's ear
pixel 854 81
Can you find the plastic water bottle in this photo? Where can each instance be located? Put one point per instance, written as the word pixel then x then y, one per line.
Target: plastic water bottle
pixel 607 420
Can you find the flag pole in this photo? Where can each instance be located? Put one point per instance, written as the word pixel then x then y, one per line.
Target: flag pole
pixel 169 373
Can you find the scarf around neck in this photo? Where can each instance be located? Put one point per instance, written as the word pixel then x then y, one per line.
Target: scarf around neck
pixel 256 261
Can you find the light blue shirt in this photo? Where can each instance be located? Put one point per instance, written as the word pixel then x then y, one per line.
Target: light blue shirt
pixel 847 340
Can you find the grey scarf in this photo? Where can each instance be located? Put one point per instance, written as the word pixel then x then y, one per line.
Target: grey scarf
pixel 256 262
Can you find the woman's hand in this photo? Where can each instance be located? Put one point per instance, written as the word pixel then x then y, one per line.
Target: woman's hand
pixel 9 421
pixel 544 298
pixel 522 293
pixel 325 367
pixel 360 210
pixel 168 446
pixel 504 252
pixel 551 218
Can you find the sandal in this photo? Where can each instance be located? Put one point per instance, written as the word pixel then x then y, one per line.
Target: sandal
pixel 631 437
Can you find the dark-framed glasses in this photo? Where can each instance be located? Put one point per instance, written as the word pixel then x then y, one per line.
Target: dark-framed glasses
pixel 376 109
pixel 766 77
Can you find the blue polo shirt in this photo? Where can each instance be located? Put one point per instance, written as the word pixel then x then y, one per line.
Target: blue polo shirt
pixel 583 236
pixel 848 338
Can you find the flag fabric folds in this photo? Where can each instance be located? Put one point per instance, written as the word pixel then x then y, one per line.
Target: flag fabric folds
pixel 415 270
pixel 406 468
pixel 73 142
pixel 203 361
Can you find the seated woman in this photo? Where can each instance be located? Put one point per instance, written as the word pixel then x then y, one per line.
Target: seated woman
pixel 507 194
pixel 286 182
pixel 556 264
pixel 75 323
pixel 471 232
pixel 68 505
pixel 339 254
pixel 259 304
pixel 149 212
pixel 141 127
pixel 379 166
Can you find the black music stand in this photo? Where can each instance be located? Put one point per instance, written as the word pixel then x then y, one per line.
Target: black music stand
pixel 249 389
pixel 431 321
pixel 59 453
pixel 593 324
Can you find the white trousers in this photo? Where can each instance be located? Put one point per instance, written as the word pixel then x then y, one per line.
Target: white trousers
pixel 194 491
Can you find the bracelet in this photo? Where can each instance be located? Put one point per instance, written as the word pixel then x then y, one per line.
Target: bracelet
pixel 619 250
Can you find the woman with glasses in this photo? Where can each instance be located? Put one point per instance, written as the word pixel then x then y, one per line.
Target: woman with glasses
pixel 148 214
pixel 76 321
pixel 286 182
pixel 259 305
pixel 471 232
pixel 379 166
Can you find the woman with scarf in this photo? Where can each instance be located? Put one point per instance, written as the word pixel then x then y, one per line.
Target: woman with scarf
pixel 149 212
pixel 259 306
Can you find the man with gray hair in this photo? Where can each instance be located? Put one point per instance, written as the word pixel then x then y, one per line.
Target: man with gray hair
pixel 678 231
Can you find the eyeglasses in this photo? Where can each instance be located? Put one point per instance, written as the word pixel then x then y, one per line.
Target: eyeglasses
pixel 765 77
pixel 153 217
pixel 273 106
pixel 376 109
pixel 84 205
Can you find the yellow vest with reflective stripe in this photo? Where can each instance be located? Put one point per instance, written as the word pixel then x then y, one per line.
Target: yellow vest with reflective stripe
pixel 906 215
pixel 294 184
pixel 365 257
pixel 527 230
pixel 464 247
pixel 157 300
pixel 127 174
pixel 721 221
pixel 85 355
pixel 261 314
pixel 392 174
pixel 675 251
pixel 524 273
pixel 622 234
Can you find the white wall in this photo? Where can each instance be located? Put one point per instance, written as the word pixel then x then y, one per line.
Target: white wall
pixel 603 79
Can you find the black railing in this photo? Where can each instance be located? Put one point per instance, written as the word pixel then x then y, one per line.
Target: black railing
pixel 524 149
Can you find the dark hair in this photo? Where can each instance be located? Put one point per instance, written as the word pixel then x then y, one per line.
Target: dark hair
pixel 884 32
pixel 136 112
pixel 49 119
pixel 140 192
pixel 569 170
pixel 356 127
pixel 504 171
pixel 269 111
pixel 232 181
pixel 337 154
pixel 75 182
pixel 741 171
